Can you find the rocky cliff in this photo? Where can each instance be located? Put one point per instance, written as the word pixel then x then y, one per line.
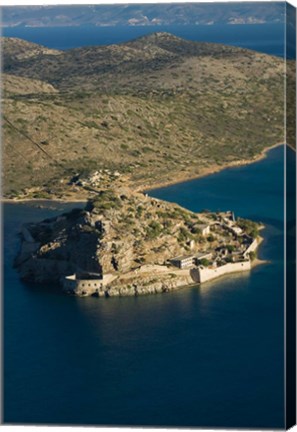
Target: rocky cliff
pixel 116 233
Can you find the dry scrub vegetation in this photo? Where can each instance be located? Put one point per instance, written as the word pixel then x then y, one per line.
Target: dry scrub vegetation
pixel 158 108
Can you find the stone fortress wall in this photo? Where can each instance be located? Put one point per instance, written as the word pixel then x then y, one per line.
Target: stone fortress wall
pixel 86 286
pixel 252 247
pixel 191 275
pixel 205 274
pixel 83 287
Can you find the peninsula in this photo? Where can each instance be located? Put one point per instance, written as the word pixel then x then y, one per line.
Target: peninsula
pixel 156 109
pixel 125 243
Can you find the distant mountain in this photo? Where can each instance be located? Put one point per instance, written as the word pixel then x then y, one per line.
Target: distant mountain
pixel 143 14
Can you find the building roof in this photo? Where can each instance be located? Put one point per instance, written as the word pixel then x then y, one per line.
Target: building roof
pixel 87 275
pixel 197 255
pixel 182 257
pixel 203 254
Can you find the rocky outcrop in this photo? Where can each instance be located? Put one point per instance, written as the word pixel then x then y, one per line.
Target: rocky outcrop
pixel 124 288
pixel 122 244
pixel 40 270
pixel 116 233
pixel 148 285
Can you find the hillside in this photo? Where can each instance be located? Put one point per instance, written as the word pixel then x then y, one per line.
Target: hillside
pixel 155 109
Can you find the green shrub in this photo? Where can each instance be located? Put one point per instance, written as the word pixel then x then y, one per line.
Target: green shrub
pixel 139 211
pixel 153 230
pixel 183 235
pixel 205 262
pixel 253 255
pixel 229 259
pixel 105 200
pixel 250 227
pixel 195 230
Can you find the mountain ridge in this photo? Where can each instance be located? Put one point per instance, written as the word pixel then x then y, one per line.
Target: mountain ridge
pixel 143 14
pixel 151 51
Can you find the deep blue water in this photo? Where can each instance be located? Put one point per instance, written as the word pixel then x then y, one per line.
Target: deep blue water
pixel 267 38
pixel 209 356
pixel 203 356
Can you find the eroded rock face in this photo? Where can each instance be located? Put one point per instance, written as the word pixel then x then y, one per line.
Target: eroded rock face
pixel 148 285
pixel 60 247
pixel 123 244
pixel 44 270
pixel 117 232
pixel 133 287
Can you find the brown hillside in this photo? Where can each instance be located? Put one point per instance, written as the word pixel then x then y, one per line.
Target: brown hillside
pixel 157 108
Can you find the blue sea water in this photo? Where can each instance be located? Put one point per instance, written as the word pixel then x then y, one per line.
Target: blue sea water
pixel 202 356
pixel 266 38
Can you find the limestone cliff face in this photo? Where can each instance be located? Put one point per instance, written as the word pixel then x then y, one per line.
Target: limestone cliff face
pixel 117 232
pixel 132 286
pixel 148 285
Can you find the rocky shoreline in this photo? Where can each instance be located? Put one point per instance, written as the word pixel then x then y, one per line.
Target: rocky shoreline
pixel 144 286
pixel 211 170
pixel 124 243
pixel 81 196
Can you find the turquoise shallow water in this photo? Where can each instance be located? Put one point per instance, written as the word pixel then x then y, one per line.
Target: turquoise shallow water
pixel 202 356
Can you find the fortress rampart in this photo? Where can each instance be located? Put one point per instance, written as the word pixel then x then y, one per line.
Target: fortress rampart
pixel 205 274
pixel 86 286
pixel 252 247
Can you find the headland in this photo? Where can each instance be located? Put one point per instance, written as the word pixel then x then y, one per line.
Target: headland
pixel 125 243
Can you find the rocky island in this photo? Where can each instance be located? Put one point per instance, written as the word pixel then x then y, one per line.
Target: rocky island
pixel 144 113
pixel 125 243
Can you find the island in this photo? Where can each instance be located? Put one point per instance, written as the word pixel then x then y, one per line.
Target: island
pixel 103 125
pixel 126 243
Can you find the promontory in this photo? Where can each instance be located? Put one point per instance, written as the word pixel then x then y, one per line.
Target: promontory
pixel 157 109
pixel 125 243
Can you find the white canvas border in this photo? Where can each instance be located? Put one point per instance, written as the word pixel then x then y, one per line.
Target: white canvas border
pixel 88 2
pixel 80 2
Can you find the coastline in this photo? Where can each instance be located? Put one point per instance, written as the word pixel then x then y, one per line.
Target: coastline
pixel 42 201
pixel 211 170
pixel 257 261
pixel 147 188
pixel 136 282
